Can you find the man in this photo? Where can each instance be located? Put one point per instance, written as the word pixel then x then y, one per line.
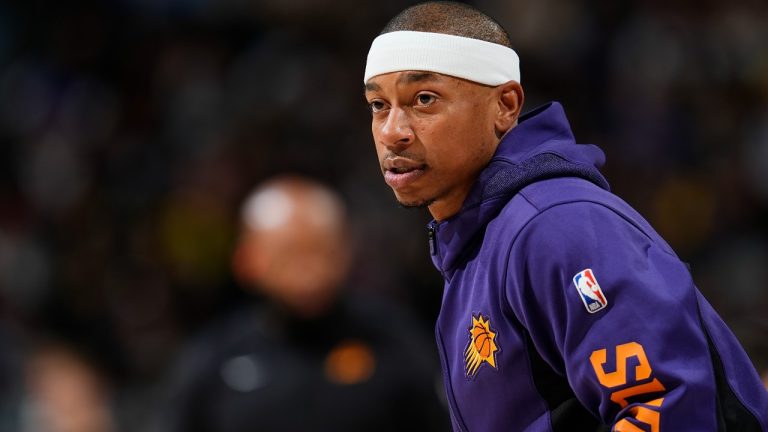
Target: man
pixel 563 309
pixel 311 357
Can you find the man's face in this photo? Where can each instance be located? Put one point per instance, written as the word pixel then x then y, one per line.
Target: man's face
pixel 295 250
pixel 299 264
pixel 433 135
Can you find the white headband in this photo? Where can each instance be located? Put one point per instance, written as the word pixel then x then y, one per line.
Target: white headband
pixel 472 59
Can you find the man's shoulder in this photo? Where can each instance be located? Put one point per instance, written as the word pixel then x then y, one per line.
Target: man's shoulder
pixel 383 320
pixel 566 202
pixel 564 190
pixel 566 193
pixel 237 331
pixel 539 197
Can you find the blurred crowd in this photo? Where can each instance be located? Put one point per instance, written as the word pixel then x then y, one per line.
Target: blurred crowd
pixel 132 130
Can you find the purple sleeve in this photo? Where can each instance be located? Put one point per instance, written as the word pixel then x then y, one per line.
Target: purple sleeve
pixel 609 306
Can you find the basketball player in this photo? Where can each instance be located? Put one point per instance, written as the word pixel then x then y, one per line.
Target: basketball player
pixel 563 309
pixel 312 357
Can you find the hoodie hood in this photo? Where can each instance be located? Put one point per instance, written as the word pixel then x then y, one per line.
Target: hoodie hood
pixel 540 147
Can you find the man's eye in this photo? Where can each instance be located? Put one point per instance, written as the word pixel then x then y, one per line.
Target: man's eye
pixel 376 106
pixel 425 99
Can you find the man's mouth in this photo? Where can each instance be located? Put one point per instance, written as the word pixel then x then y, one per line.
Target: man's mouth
pixel 399 173
pixel 403 170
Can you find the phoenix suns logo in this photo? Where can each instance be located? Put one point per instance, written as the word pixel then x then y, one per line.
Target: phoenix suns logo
pixel 482 346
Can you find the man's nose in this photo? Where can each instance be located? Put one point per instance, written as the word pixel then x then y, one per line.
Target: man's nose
pixel 396 133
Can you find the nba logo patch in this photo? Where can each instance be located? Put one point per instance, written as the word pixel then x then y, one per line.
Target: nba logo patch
pixel 589 290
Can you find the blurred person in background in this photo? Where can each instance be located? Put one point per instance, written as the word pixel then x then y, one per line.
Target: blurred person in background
pixel 310 357
pixel 65 392
pixel 563 309
pixel 129 131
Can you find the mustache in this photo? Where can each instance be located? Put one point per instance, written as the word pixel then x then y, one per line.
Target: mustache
pixel 402 155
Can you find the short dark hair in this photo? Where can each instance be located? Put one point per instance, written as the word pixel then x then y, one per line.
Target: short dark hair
pixel 451 18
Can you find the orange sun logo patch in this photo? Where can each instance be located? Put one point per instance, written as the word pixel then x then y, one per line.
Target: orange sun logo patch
pixel 482 346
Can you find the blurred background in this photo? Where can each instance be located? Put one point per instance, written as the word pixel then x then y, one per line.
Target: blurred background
pixel 130 131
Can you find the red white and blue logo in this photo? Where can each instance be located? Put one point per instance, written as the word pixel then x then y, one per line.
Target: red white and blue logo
pixel 589 290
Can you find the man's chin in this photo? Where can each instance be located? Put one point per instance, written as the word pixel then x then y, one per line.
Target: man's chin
pixel 414 204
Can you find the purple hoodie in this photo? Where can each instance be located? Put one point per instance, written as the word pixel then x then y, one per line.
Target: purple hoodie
pixel 564 310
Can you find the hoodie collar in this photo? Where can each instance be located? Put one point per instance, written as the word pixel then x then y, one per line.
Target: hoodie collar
pixel 540 147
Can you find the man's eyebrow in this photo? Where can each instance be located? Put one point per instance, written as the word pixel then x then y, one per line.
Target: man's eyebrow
pixel 407 78
pixel 413 77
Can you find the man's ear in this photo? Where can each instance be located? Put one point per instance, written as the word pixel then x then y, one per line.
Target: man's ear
pixel 246 265
pixel 510 105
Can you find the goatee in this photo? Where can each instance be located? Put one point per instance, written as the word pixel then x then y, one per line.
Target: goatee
pixel 416 204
